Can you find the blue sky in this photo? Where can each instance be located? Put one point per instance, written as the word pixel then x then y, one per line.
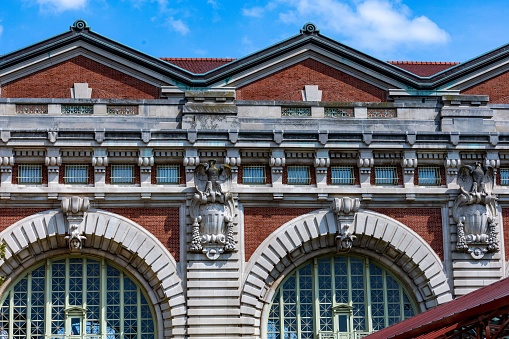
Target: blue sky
pixel 417 30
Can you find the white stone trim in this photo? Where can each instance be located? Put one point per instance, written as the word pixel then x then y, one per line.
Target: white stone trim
pixel 379 237
pixel 111 236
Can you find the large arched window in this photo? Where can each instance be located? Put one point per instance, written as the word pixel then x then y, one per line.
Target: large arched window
pixel 335 298
pixel 76 297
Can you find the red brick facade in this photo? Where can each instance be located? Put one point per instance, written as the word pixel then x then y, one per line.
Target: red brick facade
pixel 260 222
pixel 9 216
pixel 505 220
pixel 56 82
pixel 497 88
pixel 288 84
pixel 426 222
pixel 163 223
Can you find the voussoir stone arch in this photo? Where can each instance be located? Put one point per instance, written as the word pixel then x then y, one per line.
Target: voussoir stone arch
pixel 111 236
pixel 382 238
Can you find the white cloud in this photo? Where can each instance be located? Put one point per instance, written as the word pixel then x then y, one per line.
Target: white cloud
pixel 377 25
pixel 1 30
pixel 255 12
pixel 213 3
pixel 61 5
pixel 178 25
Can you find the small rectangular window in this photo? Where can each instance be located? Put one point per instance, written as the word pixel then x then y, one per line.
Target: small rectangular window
pixel 386 175
pixel 168 174
pixel 299 175
pixel 254 175
pixel 504 176
pixel 122 174
pixel 29 174
pixel 76 174
pixel 342 175
pixel 429 175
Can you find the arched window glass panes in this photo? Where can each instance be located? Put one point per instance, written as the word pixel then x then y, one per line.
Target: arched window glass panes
pixel 76 298
pixel 342 297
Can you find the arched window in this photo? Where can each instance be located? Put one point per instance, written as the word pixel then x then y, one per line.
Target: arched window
pixel 77 297
pixel 341 297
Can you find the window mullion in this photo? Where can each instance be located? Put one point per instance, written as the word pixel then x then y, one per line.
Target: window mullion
pixel 297 303
pixel 29 304
pixel 102 302
pixel 122 302
pixel 48 296
pixel 11 314
pixel 368 297
pixel 316 309
pixel 138 311
pixel 386 304
pixel 335 324
pixel 84 297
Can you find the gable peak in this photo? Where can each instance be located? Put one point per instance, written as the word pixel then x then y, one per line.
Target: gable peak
pixel 79 25
pixel 309 28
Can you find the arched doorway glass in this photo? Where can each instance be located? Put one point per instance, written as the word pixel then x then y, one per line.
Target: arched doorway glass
pixel 337 297
pixel 76 298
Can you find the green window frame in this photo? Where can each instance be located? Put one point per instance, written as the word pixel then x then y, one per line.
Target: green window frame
pixel 386 175
pixel 298 175
pixel 67 296
pixel 168 174
pixel 76 174
pixel 29 174
pixel 254 175
pixel 337 297
pixel 122 174
pixel 504 176
pixel 429 175
pixel 342 175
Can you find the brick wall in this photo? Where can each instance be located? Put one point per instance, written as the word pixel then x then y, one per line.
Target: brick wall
pixel 163 223
pixel 288 83
pixel 9 216
pixel 426 222
pixel 505 221
pixel 57 80
pixel 497 88
pixel 260 222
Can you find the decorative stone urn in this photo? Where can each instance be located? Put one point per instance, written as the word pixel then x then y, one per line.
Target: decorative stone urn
pixel 475 211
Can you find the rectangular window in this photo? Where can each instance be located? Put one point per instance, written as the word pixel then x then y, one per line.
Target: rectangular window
pixel 29 174
pixel 122 174
pixel 299 175
pixel 342 175
pixel 168 174
pixel 386 175
pixel 504 176
pixel 254 175
pixel 429 175
pixel 76 174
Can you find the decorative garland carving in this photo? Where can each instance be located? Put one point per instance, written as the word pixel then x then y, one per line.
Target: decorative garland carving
pixel 475 211
pixel 212 210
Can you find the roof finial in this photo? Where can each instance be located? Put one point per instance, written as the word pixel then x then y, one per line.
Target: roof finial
pixel 79 25
pixel 309 28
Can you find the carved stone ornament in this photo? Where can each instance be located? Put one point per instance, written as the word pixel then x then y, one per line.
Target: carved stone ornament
pixel 212 210
pixel 475 211
pixel 345 209
pixel 74 209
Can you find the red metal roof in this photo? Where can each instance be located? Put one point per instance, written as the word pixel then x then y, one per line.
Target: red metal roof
pixel 448 315
pixel 424 68
pixel 198 65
